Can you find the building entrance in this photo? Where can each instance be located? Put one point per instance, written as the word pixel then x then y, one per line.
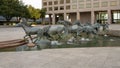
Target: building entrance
pixel 102 17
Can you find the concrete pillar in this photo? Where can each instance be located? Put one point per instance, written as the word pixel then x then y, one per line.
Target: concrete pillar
pixel 78 15
pixel 109 16
pixel 50 18
pixel 92 17
pixel 65 16
pixel 53 19
pixel 65 5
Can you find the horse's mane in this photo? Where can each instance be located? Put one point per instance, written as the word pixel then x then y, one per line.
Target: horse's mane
pixel 65 23
pixel 68 22
pixel 76 23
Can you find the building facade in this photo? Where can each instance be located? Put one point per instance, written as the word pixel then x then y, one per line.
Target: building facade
pixel 91 11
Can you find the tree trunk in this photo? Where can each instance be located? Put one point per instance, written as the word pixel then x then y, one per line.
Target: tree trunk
pixel 43 21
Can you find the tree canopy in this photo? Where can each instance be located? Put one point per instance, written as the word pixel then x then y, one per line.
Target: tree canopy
pixel 16 8
pixel 34 13
pixel 13 8
pixel 42 14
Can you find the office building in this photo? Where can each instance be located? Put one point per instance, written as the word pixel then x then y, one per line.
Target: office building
pixel 103 11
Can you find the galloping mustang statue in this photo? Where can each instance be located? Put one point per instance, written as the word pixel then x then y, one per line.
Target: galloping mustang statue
pixel 46 31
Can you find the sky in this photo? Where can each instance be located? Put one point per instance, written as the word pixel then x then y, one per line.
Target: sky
pixel 34 3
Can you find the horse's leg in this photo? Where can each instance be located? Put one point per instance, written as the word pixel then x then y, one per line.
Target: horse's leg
pixel 59 35
pixel 31 38
pixel 48 35
pixel 94 33
pixel 40 34
pixel 25 36
pixel 79 32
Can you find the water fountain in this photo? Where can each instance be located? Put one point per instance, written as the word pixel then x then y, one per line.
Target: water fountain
pixel 74 35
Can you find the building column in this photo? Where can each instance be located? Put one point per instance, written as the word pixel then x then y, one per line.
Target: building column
pixel 92 17
pixel 65 16
pixel 78 15
pixel 109 16
pixel 53 19
pixel 50 18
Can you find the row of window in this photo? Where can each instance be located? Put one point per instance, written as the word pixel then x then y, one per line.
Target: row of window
pixel 82 6
pixel 98 4
pixel 55 2
pixel 56 8
pixel 62 2
pixel 103 16
pixel 72 1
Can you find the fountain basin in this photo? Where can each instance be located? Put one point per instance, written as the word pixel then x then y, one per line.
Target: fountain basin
pixel 100 41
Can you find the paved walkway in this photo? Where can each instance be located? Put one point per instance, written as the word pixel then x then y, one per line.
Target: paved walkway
pixel 11 33
pixel 115 27
pixel 107 57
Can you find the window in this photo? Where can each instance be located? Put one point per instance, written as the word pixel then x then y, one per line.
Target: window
pixel 44 3
pixel 81 6
pixel 95 5
pixel 68 1
pixel 74 6
pixel 74 1
pixel 102 17
pixel 55 8
pixel 61 1
pixel 88 0
pixel 45 9
pixel 95 0
pixel 81 0
pixel 119 2
pixel 68 7
pixel 104 4
pixel 61 7
pixel 50 8
pixel 50 3
pixel 113 3
pixel 116 16
pixel 55 2
pixel 88 5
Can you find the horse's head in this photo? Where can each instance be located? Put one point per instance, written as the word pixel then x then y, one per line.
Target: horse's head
pixel 64 22
pixel 77 23
pixel 67 22
pixel 88 24
pixel 105 26
pixel 96 26
pixel 60 22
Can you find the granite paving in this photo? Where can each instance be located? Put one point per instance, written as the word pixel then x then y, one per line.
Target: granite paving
pixel 102 57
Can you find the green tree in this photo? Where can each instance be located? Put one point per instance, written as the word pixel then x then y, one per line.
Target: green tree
pixel 42 14
pixel 13 8
pixel 34 13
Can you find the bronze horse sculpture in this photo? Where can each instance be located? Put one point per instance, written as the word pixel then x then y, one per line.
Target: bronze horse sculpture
pixel 46 31
pixel 78 27
pixel 29 31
